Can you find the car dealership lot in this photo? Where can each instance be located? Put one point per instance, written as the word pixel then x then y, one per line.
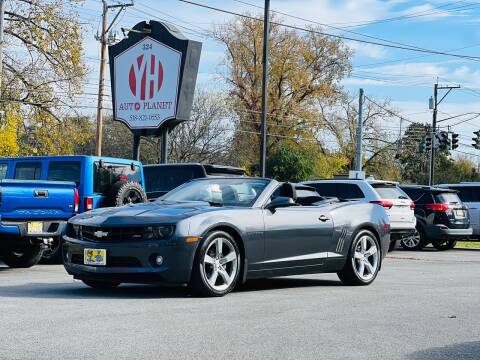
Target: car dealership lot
pixel 423 305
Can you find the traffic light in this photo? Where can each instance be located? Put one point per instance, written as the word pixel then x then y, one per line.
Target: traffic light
pixel 443 140
pixel 421 147
pixel 428 143
pixel 454 142
pixel 476 143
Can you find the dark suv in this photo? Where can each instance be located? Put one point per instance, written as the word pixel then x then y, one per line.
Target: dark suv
pixel 161 178
pixel 442 219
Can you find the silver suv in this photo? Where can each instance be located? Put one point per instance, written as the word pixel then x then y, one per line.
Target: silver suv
pixel 469 193
pixel 397 204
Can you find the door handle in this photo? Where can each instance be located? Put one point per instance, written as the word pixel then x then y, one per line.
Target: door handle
pixel 323 218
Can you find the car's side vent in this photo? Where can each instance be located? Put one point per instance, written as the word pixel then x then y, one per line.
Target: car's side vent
pixel 341 240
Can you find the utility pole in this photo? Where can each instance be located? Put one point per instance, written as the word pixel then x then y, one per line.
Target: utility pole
pixel 103 62
pixel 263 141
pixel 358 166
pixel 2 24
pixel 434 106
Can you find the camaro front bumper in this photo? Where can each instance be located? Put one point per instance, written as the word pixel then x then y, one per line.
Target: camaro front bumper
pixel 132 261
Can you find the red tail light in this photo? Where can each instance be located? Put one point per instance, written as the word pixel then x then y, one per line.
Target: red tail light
pixel 88 203
pixel 76 200
pixel 412 205
pixel 384 203
pixel 437 207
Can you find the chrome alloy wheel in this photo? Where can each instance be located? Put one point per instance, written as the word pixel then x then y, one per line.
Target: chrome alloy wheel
pixel 411 241
pixel 366 258
pixel 220 264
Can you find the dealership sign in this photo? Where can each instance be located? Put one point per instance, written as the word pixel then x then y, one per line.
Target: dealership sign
pixel 153 74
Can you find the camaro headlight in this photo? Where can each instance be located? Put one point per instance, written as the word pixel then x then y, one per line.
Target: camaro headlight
pixel 158 232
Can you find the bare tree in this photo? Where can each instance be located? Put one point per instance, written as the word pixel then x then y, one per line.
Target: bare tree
pixel 205 138
pixel 339 130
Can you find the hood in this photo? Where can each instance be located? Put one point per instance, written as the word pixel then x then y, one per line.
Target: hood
pixel 141 214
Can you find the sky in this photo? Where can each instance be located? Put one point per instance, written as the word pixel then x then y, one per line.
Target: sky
pixel 405 78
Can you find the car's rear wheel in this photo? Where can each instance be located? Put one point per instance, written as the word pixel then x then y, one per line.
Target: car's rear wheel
pixel 216 266
pixel 363 262
pixel 416 241
pixel 444 245
pixel 100 285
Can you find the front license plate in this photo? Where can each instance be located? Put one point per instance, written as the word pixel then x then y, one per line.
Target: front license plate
pixel 95 257
pixel 35 227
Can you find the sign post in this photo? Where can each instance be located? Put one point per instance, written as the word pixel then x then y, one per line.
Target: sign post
pixel 153 72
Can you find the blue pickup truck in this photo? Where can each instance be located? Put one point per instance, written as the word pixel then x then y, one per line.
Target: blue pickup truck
pixel 39 194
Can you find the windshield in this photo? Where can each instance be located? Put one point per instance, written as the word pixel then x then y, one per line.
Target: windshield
pixel 226 192
pixel 447 198
pixel 389 191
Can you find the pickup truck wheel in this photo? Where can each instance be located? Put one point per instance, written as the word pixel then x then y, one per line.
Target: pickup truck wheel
pixel 101 285
pixel 53 254
pixel 124 193
pixel 23 257
pixel 444 245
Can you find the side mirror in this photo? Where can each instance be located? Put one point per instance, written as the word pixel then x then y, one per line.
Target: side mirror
pixel 280 202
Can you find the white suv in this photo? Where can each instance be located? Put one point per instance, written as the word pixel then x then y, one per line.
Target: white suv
pixel 397 204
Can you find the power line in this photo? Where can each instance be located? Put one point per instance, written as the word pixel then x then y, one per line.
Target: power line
pixel 413 15
pixel 408 48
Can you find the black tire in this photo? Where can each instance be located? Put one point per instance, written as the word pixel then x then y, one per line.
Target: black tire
pixel 53 254
pixel 24 257
pixel 420 237
pixel 444 245
pixel 124 193
pixel 393 245
pixel 199 283
pixel 100 285
pixel 349 275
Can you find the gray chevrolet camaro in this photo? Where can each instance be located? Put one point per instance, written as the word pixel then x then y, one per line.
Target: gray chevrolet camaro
pixel 216 233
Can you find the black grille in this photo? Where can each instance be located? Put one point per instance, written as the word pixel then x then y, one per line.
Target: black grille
pixel 96 234
pixel 112 261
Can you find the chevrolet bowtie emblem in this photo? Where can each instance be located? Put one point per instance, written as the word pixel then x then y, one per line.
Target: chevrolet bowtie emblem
pixel 100 234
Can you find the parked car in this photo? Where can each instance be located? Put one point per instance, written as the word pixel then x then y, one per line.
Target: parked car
pixel 32 214
pixel 100 181
pixel 387 194
pixel 469 193
pixel 161 178
pixel 442 219
pixel 214 233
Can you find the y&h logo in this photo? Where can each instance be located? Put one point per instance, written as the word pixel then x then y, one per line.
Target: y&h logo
pixel 145 77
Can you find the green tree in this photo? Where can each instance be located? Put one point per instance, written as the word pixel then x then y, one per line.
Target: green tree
pixel 289 162
pixel 43 73
pixel 303 69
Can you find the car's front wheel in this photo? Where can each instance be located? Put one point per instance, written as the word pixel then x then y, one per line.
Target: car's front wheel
pixel 363 260
pixel 217 265
pixel 444 245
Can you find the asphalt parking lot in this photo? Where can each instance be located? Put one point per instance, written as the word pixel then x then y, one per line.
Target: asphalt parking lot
pixel 423 305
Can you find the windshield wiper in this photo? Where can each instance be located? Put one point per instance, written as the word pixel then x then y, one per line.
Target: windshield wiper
pixel 213 203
